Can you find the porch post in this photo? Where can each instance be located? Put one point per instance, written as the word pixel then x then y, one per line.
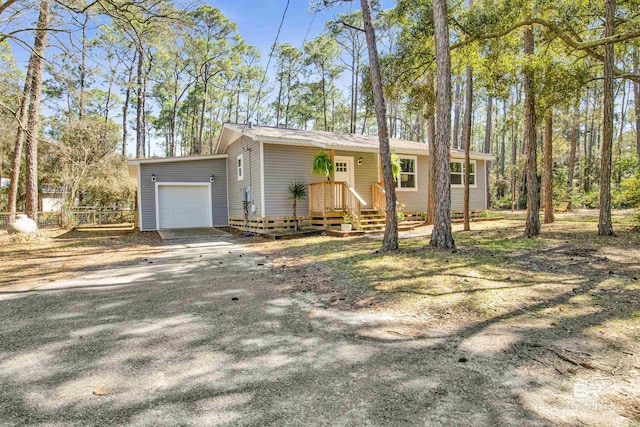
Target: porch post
pixel 332 155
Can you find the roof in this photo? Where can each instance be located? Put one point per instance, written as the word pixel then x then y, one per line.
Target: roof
pixel 134 164
pixel 327 140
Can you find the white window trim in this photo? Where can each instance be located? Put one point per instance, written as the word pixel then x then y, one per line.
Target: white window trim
pixel 475 168
pixel 415 172
pixel 240 169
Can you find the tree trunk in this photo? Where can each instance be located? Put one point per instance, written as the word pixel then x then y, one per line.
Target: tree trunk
pixel 636 99
pixel 31 155
pixel 390 240
pixel 139 104
pixel 19 141
pixel 466 141
pixel 503 143
pixel 488 132
pixel 457 106
pixel 83 67
pixel 548 166
pixel 532 227
pixel 431 135
pixel 605 226
pixel 125 106
pixel 431 191
pixel 575 135
pixel 441 236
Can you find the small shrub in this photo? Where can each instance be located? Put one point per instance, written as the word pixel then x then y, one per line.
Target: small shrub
pixel 627 194
pixel 347 219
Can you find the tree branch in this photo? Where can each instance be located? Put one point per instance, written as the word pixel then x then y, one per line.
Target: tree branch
pixel 587 47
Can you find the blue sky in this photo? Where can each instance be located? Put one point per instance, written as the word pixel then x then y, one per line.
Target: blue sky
pixel 258 21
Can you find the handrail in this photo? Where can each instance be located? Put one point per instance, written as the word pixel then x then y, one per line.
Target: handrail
pixel 379 196
pixel 336 196
pixel 355 193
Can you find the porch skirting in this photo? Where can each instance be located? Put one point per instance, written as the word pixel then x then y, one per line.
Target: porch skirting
pixel 269 224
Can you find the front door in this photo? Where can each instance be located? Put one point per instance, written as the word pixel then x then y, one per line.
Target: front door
pixel 342 172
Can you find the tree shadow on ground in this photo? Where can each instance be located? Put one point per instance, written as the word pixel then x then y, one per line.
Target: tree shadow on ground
pixel 173 346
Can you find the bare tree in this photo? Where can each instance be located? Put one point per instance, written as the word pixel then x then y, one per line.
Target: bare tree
pixel 605 226
pixel 390 241
pixel 532 227
pixel 441 236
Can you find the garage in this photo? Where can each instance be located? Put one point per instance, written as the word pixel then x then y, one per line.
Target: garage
pixel 184 206
pixel 181 192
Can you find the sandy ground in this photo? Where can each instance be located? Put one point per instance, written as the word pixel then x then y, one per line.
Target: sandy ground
pixel 225 333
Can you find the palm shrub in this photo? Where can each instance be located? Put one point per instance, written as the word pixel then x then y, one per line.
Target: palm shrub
pixel 322 164
pixel 297 191
pixel 395 167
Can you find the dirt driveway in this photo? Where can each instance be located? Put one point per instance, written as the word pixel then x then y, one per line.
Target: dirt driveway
pixel 202 334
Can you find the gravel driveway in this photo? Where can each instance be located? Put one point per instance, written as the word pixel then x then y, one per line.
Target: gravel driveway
pixel 202 334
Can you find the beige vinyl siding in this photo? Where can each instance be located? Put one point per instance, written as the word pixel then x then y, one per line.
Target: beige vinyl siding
pixel 251 155
pixel 183 171
pixel 287 163
pixel 365 174
pixel 416 201
pixel 282 165
pixel 477 195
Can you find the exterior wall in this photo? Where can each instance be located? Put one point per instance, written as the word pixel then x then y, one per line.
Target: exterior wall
pixel 282 165
pixel 251 152
pixel 416 201
pixel 286 163
pixel 365 174
pixel 477 195
pixel 183 171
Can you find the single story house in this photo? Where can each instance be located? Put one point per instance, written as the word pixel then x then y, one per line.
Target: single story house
pixel 245 182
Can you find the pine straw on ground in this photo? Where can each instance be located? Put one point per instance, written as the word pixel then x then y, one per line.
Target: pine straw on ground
pixel 59 253
pixel 565 306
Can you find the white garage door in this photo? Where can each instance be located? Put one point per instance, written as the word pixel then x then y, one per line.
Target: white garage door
pixel 184 206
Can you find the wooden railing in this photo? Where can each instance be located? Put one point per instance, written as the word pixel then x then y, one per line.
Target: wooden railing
pixel 379 196
pixel 332 196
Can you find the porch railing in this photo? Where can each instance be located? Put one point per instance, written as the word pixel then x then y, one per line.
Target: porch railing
pixel 333 196
pixel 379 196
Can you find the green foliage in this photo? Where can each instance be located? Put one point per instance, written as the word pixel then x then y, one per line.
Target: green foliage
pixel 297 190
pixel 395 167
pixel 590 199
pixel 347 219
pixel 400 213
pixel 627 194
pixel 322 164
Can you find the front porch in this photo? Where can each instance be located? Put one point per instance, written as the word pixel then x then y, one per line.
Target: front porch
pixel 330 202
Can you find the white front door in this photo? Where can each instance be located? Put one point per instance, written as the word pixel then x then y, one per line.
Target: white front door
pixel 343 170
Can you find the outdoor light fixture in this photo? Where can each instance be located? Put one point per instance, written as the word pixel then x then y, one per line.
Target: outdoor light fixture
pixel 360 160
pixel 212 179
pixel 153 177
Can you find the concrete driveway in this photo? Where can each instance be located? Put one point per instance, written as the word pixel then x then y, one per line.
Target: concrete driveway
pixel 203 335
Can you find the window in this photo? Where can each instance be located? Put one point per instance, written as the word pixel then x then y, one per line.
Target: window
pixel 341 167
pixel 240 167
pixel 457 174
pixel 408 173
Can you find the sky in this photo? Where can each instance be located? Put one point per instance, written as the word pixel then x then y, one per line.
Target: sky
pixel 258 21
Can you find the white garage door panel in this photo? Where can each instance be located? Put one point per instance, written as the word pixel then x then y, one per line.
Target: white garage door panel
pixel 183 206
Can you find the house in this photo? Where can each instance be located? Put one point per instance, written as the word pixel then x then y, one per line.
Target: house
pixel 245 182
pixel 51 197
